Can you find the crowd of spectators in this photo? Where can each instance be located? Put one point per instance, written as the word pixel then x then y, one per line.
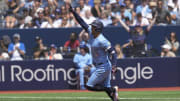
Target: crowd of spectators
pixel 54 13
pixel 16 50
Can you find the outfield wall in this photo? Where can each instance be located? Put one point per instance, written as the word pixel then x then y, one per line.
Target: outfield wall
pixel 56 75
pixel 114 34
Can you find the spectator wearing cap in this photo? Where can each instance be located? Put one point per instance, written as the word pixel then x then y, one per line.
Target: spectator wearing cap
pixel 173 13
pixel 83 62
pixel 39 49
pixel 173 42
pixel 166 51
pixel 115 22
pixel 114 7
pixel 138 36
pixel 53 55
pixel 25 21
pixel 176 9
pixel 16 49
pixel 72 44
pixel 176 4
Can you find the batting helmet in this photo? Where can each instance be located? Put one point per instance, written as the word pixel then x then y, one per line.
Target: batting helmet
pixel 98 25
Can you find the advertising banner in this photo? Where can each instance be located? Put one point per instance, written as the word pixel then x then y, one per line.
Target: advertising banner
pixel 55 75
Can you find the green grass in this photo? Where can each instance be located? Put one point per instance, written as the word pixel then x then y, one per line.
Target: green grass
pixel 95 96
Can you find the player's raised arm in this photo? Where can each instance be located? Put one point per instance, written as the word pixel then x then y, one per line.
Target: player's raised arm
pixel 79 19
pixel 123 24
pixel 153 22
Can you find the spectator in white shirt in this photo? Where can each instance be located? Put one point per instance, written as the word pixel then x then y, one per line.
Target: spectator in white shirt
pixel 53 55
pixel 166 51
pixel 104 19
pixel 141 20
pixel 88 18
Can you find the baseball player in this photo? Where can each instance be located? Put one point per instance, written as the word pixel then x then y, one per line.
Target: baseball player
pixel 101 50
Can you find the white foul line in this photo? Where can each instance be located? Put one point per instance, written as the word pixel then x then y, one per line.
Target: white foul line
pixel 85 98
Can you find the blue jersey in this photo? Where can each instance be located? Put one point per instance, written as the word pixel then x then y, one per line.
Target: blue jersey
pixel 82 61
pixel 99 45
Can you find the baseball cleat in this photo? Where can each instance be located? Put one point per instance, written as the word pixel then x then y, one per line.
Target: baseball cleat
pixel 115 93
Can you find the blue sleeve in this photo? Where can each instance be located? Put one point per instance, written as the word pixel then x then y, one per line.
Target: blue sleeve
pixel 10 47
pixel 75 59
pixel 105 44
pixel 81 21
pixel 22 47
pixel 77 62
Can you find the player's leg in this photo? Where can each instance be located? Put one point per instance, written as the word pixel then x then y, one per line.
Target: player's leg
pixel 100 81
pixel 81 78
pixel 96 79
pixel 92 70
pixel 111 91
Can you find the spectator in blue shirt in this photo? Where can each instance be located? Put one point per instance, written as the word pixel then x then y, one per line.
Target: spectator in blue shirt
pixel 83 62
pixel 143 8
pixel 16 49
pixel 124 13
